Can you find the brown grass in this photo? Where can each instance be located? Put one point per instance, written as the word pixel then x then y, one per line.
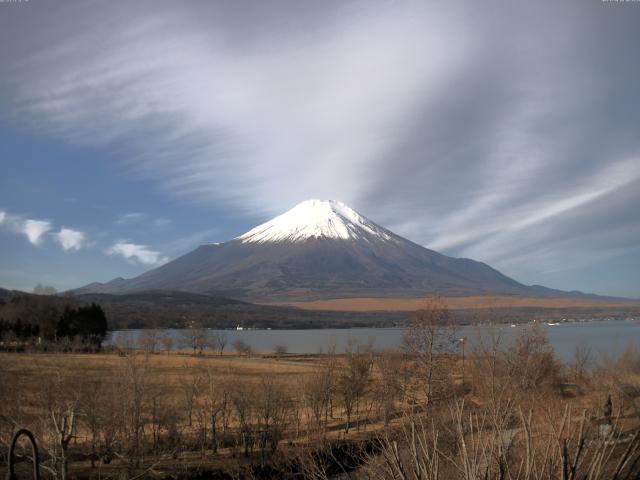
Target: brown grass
pixel 457 303
pixel 166 370
pixel 22 377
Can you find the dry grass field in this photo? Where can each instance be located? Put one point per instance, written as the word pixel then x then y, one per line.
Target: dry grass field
pixel 175 394
pixel 134 414
pixel 460 303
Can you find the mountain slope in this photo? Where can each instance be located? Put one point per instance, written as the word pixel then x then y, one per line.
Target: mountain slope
pixel 320 250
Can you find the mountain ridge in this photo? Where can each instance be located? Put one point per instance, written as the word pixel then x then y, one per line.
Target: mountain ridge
pixel 321 249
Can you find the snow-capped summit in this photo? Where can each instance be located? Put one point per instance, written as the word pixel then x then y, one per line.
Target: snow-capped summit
pixel 316 219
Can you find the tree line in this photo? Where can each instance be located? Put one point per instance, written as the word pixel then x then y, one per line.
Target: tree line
pixel 43 322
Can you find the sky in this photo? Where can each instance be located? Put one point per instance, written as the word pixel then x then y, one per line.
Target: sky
pixel 506 132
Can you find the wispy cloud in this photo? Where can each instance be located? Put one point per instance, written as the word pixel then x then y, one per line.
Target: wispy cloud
pixel 140 218
pixel 419 114
pixel 132 217
pixel 470 226
pixel 71 239
pixel 229 109
pixel 134 253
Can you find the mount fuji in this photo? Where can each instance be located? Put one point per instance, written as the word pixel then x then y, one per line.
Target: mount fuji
pixel 320 249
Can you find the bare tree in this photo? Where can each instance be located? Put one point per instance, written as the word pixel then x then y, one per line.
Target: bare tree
pixel 316 390
pixel 623 375
pixel 216 405
pixel 219 341
pixel 430 333
pixel 241 396
pixel 354 379
pixel 60 408
pixel 149 340
pixel 297 406
pixel 272 409
pixel 64 428
pixel 531 360
pixel 92 415
pixel 280 350
pixel 242 347
pixel 123 341
pixel 133 380
pixel 167 343
pixel 491 380
pixel 191 383
pixel 195 337
pixel 581 362
pixel 388 386
pixel 111 416
pixel 563 449
pixel 329 380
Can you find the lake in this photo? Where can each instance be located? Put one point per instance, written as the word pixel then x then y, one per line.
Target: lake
pixel 606 339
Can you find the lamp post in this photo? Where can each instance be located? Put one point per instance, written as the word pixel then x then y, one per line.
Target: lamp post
pixel 462 342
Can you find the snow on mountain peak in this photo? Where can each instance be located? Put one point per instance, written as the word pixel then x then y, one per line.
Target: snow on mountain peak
pixel 315 219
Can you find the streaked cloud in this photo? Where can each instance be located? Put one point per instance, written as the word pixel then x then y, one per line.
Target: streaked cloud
pixel 241 123
pixel 502 131
pixel 135 253
pixel 71 239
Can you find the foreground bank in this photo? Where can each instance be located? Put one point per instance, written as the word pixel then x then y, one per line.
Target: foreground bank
pixel 137 414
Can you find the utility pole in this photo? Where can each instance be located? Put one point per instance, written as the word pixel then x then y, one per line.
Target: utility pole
pixel 462 341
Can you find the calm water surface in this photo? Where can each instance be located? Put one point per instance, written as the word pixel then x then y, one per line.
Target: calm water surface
pixel 606 339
